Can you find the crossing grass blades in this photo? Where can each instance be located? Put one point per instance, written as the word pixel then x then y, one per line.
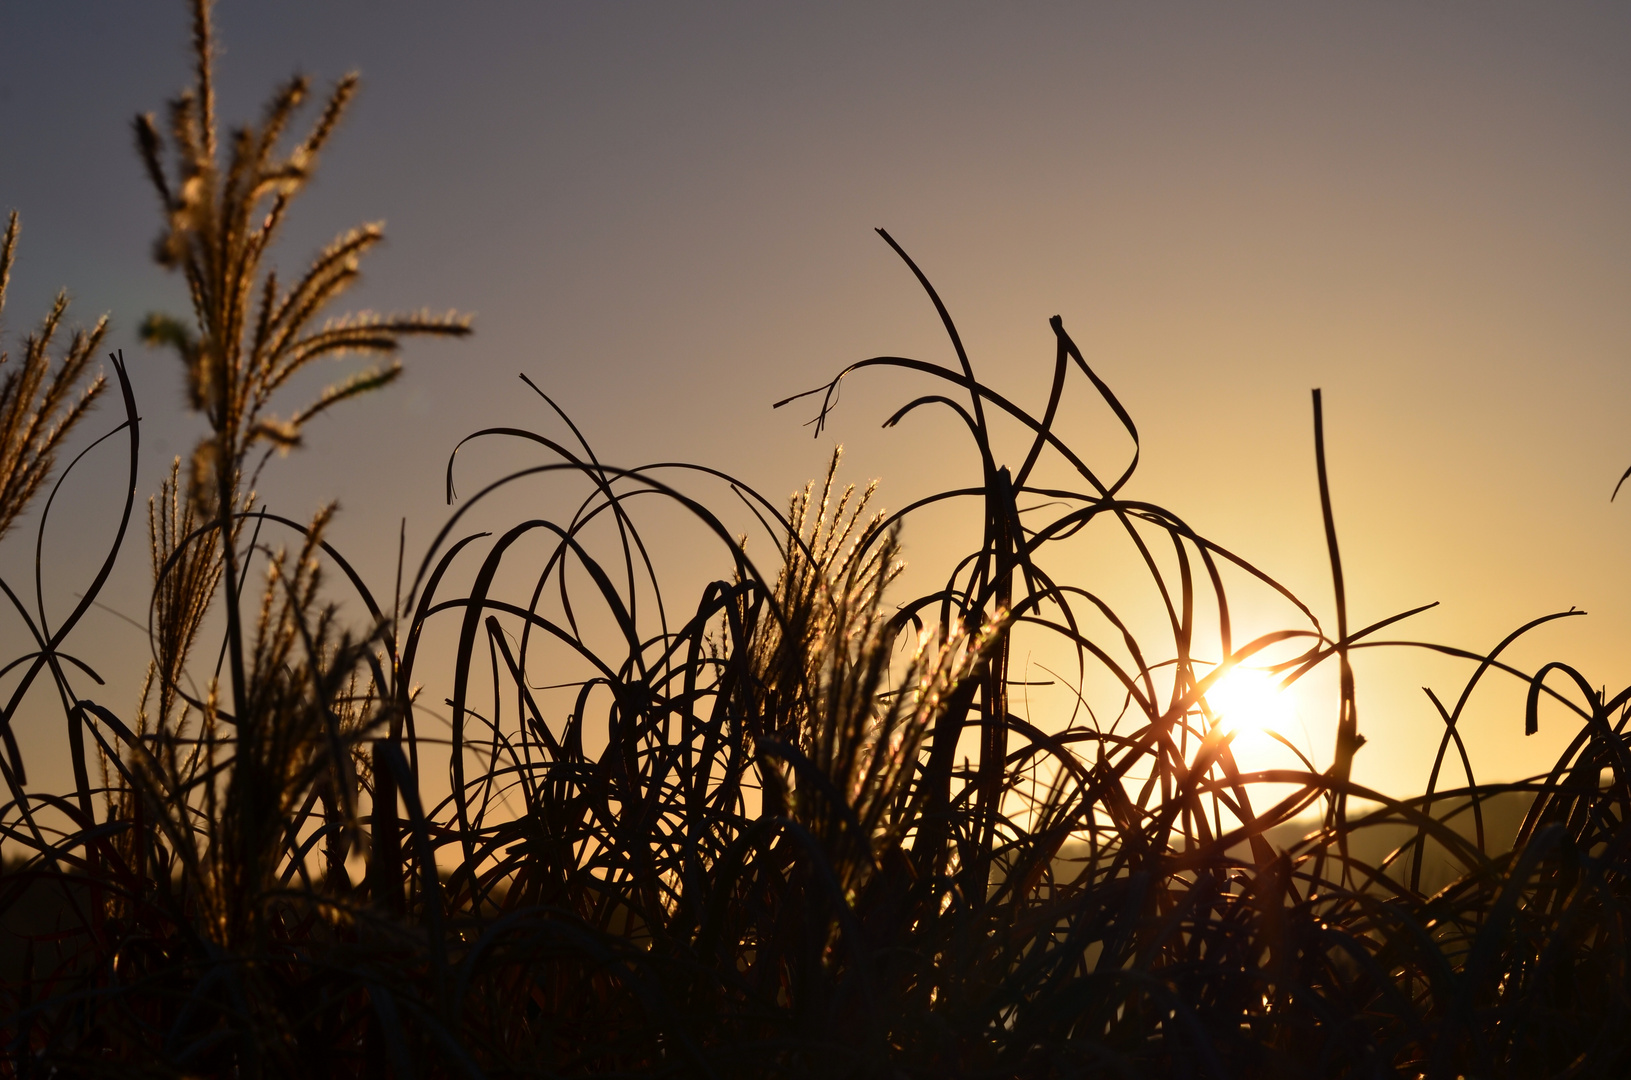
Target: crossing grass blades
pixel 795 825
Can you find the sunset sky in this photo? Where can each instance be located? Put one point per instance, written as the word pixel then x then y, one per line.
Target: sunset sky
pixel 664 214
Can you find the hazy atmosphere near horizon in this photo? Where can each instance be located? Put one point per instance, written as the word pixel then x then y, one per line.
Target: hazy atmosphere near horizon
pixel 663 214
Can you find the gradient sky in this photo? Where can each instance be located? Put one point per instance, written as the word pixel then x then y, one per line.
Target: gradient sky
pixel 663 213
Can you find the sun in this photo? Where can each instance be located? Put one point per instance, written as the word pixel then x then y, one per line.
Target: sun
pixel 1257 715
pixel 1251 701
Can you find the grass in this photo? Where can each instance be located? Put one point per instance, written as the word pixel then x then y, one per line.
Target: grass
pixel 795 824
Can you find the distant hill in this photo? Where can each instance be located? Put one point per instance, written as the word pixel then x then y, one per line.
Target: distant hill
pixel 1374 836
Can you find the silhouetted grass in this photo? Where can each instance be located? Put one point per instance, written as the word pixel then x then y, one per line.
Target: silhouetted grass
pixel 791 825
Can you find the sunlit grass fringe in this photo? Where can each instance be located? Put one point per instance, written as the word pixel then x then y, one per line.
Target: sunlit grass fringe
pixel 750 847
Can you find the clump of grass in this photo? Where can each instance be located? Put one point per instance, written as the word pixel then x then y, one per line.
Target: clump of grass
pixel 793 825
pixel 39 406
pixel 250 333
pixel 187 878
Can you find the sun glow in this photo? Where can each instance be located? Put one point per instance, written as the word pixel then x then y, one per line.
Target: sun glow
pixel 1249 702
pixel 1254 712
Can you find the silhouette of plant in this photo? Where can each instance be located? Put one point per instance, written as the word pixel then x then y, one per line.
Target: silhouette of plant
pixel 38 407
pixel 249 335
pixel 793 826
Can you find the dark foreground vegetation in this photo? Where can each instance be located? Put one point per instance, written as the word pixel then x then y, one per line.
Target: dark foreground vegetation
pixel 794 825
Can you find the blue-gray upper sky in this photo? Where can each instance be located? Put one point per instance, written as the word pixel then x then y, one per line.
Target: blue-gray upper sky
pixel 663 213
